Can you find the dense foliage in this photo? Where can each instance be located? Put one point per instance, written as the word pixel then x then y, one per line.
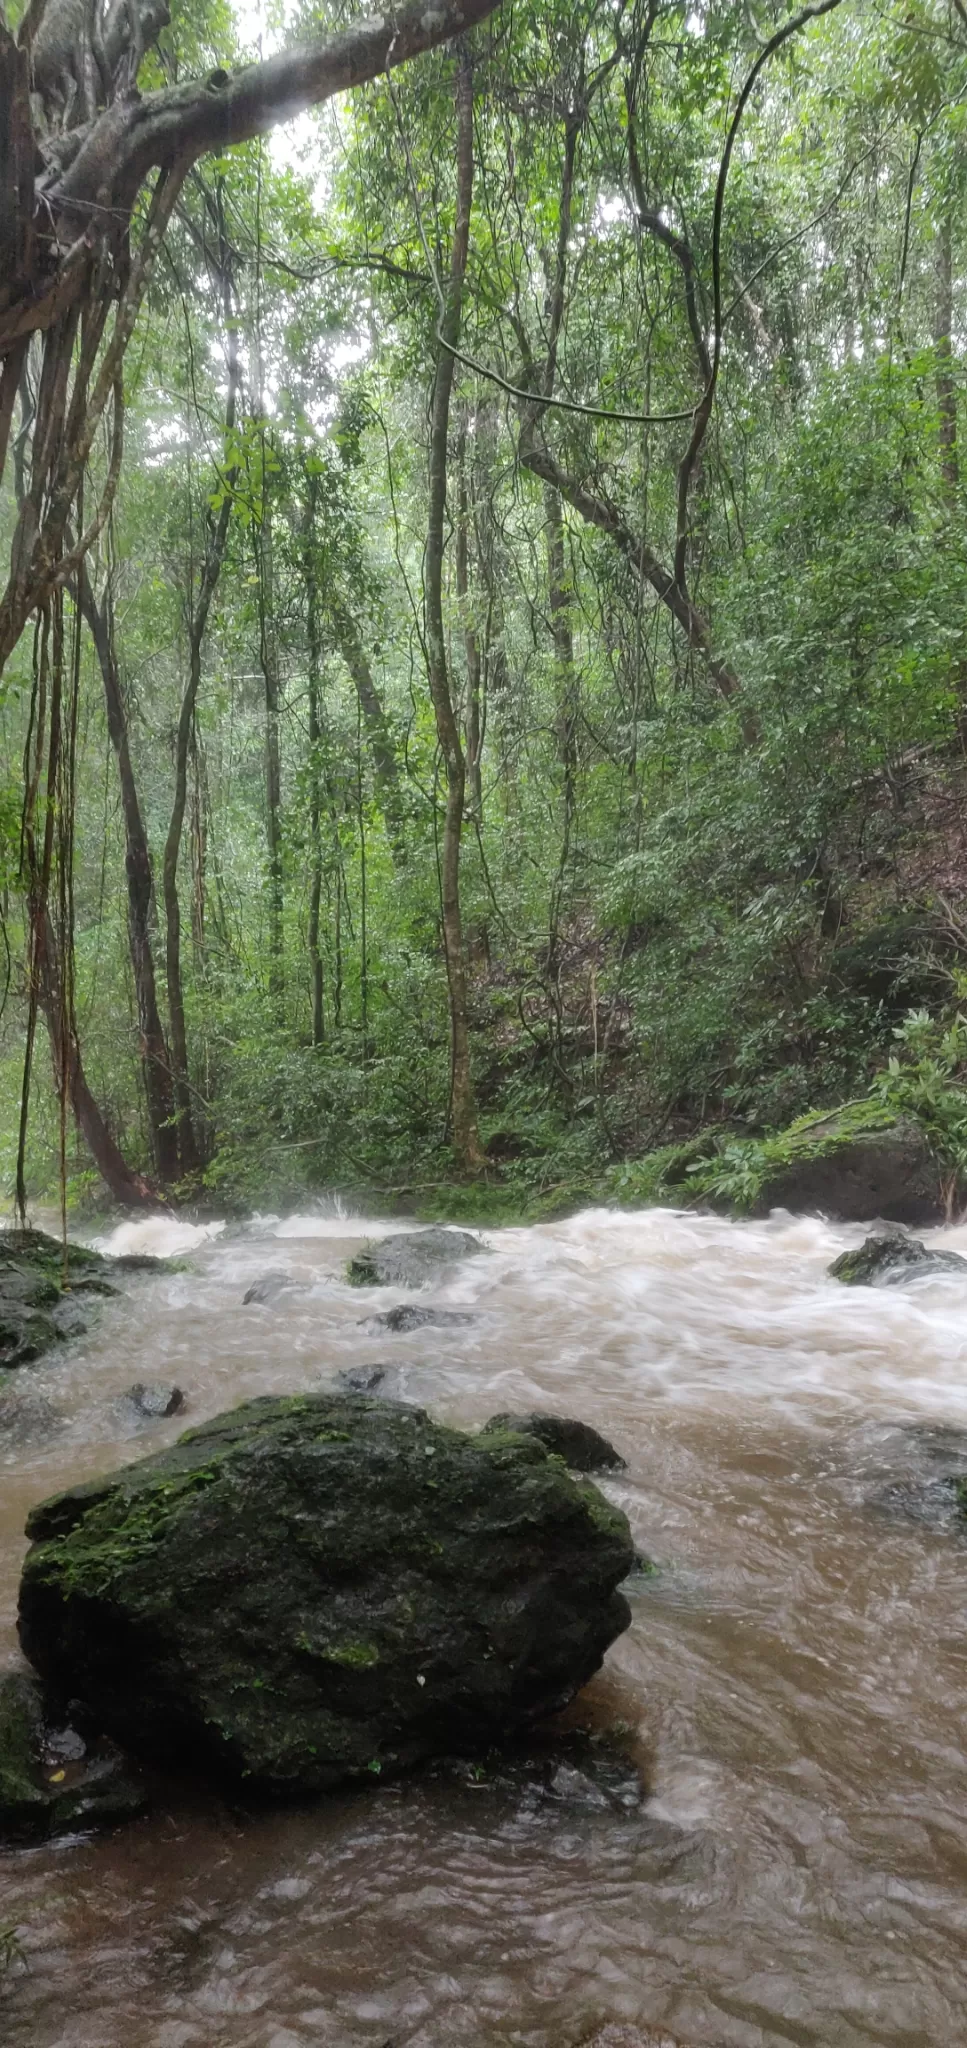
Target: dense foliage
pixel 706 670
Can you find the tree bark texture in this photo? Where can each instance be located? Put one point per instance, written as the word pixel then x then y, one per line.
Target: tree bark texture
pixel 127 1187
pixel 943 345
pixel 463 1111
pixel 155 1064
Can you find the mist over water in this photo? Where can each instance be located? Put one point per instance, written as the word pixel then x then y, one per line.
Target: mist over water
pixel 796 1671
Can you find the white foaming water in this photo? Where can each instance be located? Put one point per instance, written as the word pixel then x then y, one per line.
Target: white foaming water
pixel 795 1671
pixel 156 1237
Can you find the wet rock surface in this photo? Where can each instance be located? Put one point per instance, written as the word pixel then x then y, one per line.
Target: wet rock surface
pixel 268 1289
pixel 52 1780
pixel 323 1588
pixel 858 1176
pixel 913 1472
pixel 38 1298
pixel 617 2035
pixel 408 1317
pixel 574 1773
pixel 890 1260
pixel 412 1258
pixel 369 1379
pixel 153 1400
pixel 582 1448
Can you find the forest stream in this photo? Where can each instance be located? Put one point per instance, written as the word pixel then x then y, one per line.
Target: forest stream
pixel 794 1674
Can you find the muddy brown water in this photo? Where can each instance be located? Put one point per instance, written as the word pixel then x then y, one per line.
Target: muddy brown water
pixel 796 1672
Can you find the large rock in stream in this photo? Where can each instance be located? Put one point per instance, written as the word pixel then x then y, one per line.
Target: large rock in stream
pixel 323 1588
pixel 39 1291
pixel 834 1166
pixel 890 1260
pixel 411 1258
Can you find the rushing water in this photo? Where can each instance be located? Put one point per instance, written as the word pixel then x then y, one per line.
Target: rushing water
pixel 796 1672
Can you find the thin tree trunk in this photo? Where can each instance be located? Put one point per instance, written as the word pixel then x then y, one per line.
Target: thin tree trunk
pixel 942 336
pixel 127 1187
pixel 217 537
pixel 474 723
pixel 385 766
pixel 140 888
pixel 310 572
pixel 559 605
pixel 463 1108
pixel 269 664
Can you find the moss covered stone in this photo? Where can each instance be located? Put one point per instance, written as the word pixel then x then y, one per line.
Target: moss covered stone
pixel 855 1163
pixel 306 1589
pixel 39 1291
pixel 582 1448
pixel 890 1260
pixel 51 1780
pixel 411 1258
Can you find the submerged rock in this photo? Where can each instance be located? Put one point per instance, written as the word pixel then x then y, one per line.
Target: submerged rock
pixel 38 1306
pixel 268 1288
pixel 51 1780
pixel 154 1401
pixel 362 1379
pixel 890 1260
pixel 575 1771
pixel 408 1317
pixel 929 1482
pixel 582 1448
pixel 323 1588
pixel 856 1174
pixel 618 2035
pixel 410 1259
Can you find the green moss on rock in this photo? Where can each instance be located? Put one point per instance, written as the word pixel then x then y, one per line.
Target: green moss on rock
pixel 302 1587
pixel 855 1163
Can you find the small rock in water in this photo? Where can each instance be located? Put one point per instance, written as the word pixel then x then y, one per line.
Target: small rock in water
pixel 620 2036
pixel 51 1780
pixel 931 1484
pixel 362 1379
pixel 584 1774
pixel 408 1317
pixel 268 1288
pixel 891 1260
pixel 321 1588
pixel 153 1400
pixel 582 1448
pixel 410 1259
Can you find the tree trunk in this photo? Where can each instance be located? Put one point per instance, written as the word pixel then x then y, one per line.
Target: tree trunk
pixel 140 889
pixel 310 573
pixel 188 1150
pixel 381 746
pixel 269 664
pixel 127 1187
pixel 471 646
pixel 216 541
pixel 559 606
pixel 943 345
pixel 463 1109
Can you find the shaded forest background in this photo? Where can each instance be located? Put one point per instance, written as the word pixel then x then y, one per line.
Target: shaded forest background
pixel 512 714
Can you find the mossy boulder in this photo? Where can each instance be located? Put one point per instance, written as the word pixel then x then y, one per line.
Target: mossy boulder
pixel 51 1779
pixel 411 1258
pixel 890 1260
pixel 582 1448
pixel 855 1163
pixel 40 1291
pixel 854 1166
pixel 324 1588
